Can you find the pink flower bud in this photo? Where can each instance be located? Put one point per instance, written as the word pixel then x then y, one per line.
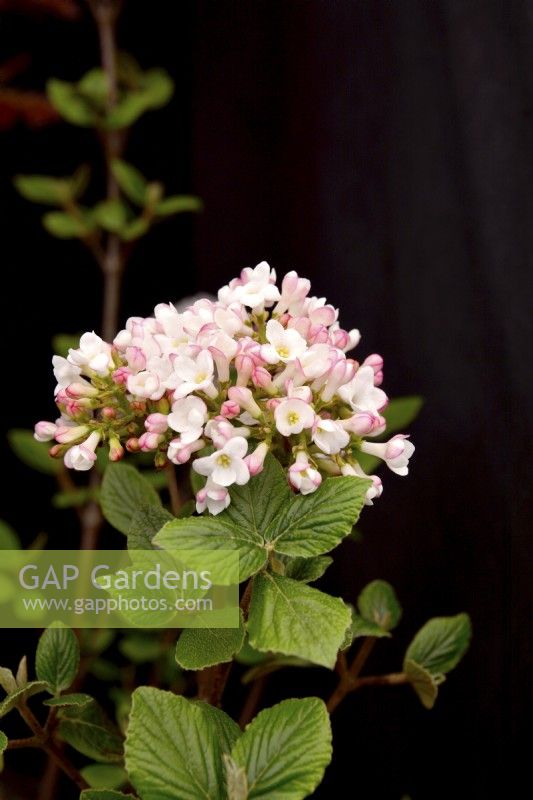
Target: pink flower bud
pixel 256 460
pixel 244 398
pixel 244 365
pixel 116 451
pixel 261 377
pixel 81 389
pixel 136 359
pixel 66 434
pixel 156 423
pixel 132 445
pixel 44 431
pixel 229 409
pixel 109 413
pixel 149 441
pixel 121 375
pixel 361 424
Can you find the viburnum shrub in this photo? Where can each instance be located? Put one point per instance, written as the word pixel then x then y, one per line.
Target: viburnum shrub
pixel 253 420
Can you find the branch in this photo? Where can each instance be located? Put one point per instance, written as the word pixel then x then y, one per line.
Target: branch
pixel 212 681
pixel 176 501
pixel 349 676
pixel 50 747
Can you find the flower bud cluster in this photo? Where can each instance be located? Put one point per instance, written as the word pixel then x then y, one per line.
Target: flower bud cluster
pixel 221 384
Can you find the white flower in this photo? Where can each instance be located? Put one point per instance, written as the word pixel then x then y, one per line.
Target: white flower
pixel 81 457
pixel 93 353
pixel 374 491
pixel 65 373
pixel 330 436
pixel 302 476
pixel 145 384
pixel 292 415
pixel 193 375
pixel 213 497
pixel 188 417
pixel 255 289
pixel 44 431
pixel 286 344
pixel 227 465
pixel 361 394
pixel 396 452
pixel 316 361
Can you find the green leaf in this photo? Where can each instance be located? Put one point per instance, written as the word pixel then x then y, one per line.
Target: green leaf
pixel 291 618
pixel 227 731
pixel 130 180
pixel 104 794
pixel 111 215
pixel 285 750
pixel 68 102
pixel 401 412
pixel 134 229
pixel 65 226
pixel 422 682
pixel 3 746
pixel 186 763
pixel 8 681
pixel 155 89
pixel 158 87
pixel 124 492
pixel 33 453
pixel 255 505
pixel 8 538
pixel 212 533
pixel 140 649
pixel 148 520
pixel 441 643
pixel 88 730
pixel 25 692
pixel 74 498
pixel 307 570
pixel 95 86
pixel 74 699
pixel 43 189
pixel 198 648
pixel 241 527
pixel 315 523
pixel 362 627
pixel 104 776
pixel 378 603
pixel 57 658
pixel 178 204
pixel 63 342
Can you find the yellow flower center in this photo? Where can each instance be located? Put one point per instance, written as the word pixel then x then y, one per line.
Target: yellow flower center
pixel 292 417
pixel 200 377
pixel 283 351
pixel 223 460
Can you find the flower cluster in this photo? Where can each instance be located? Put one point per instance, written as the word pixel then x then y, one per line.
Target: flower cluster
pixel 259 370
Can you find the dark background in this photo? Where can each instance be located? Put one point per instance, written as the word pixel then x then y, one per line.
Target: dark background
pixel 382 149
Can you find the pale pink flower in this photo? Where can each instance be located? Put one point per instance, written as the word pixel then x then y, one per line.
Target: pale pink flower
pixel 212 497
pixel 227 465
pixel 292 415
pixel 396 452
pixel 81 457
pixel 302 476
pixel 188 418
pixel 329 436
